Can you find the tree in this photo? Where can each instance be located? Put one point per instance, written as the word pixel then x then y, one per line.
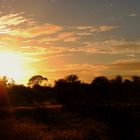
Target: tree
pixel 7 82
pixel 136 80
pixel 71 78
pixel 101 82
pixel 37 80
pixel 101 87
pixel 117 81
pixel 68 91
pixel 136 86
pixel 3 93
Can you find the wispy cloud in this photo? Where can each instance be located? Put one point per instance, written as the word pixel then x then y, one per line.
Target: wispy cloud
pixel 68 36
pixel 63 36
pixel 13 24
pixel 45 29
pixel 132 14
pixel 9 22
pixel 93 28
pixel 40 40
pixel 105 28
pixel 112 46
pixel 128 65
pixel 12 19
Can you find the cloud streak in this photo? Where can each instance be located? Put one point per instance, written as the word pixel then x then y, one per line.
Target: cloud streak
pixel 128 65
pixel 112 46
pixel 45 29
pixel 102 28
pixel 132 15
pixel 9 22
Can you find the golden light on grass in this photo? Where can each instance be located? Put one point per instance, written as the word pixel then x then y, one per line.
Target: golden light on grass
pixel 11 65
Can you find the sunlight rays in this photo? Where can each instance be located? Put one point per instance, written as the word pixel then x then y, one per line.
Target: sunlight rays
pixel 11 65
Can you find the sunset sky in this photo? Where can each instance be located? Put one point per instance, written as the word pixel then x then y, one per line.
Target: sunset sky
pixel 55 38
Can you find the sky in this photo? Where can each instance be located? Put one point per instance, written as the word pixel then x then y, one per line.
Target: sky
pixel 55 38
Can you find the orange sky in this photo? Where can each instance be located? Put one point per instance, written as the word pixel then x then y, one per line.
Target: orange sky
pixel 45 37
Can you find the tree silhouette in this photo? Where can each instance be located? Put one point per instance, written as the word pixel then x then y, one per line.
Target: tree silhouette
pixel 136 88
pixel 3 92
pixel 37 80
pixel 136 80
pixel 68 91
pixel 101 85
pixel 72 78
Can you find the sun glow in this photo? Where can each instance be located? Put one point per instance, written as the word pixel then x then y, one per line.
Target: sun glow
pixel 11 65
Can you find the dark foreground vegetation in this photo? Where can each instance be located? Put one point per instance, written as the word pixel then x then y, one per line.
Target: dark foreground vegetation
pixel 70 110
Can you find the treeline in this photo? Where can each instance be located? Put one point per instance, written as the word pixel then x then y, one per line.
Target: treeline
pixel 114 103
pixel 74 94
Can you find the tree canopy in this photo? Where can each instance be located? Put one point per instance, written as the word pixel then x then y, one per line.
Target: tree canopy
pixel 37 80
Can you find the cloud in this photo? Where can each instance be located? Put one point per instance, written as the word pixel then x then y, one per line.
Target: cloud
pixel 132 15
pixel 102 28
pixel 63 36
pixel 86 67
pixel 100 47
pixel 85 27
pixel 36 34
pixel 112 46
pixel 11 42
pixel 45 29
pixel 68 37
pixel 38 40
pixel 128 65
pixel 12 24
pixel 9 22
pixel 105 28
pixel 84 33
pixel 38 30
pixel 12 19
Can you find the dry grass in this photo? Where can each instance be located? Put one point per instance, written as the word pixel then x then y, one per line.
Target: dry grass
pixel 56 125
pixel 49 124
pixel 28 130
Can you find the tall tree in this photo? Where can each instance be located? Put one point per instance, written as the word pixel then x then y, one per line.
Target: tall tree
pixel 37 80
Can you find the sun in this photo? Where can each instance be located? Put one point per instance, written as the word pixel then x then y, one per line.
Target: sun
pixel 11 65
